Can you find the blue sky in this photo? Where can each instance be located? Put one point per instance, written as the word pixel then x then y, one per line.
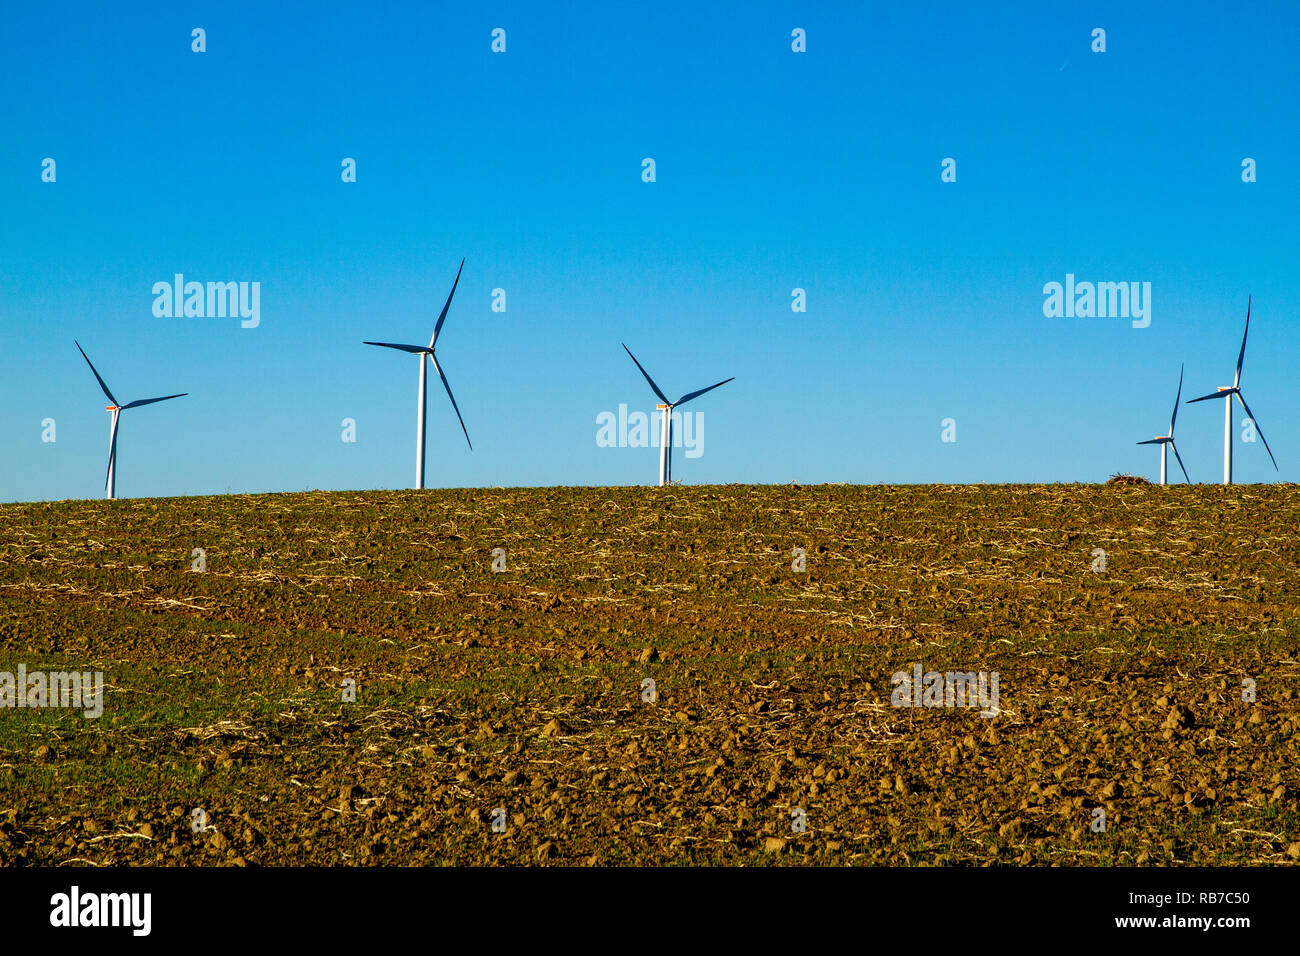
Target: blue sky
pixel 775 170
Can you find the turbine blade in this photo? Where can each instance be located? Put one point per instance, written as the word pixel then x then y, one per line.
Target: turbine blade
pixel 92 368
pixel 1203 398
pixel 1174 417
pixel 150 401
pixel 1180 461
pixel 447 385
pixel 662 397
pixel 1241 357
pixel 413 349
pixel 112 451
pixel 1152 441
pixel 698 392
pixel 443 317
pixel 1259 430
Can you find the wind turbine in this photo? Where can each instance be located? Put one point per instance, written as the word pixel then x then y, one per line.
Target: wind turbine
pixel 423 352
pixel 1226 392
pixel 666 422
pixel 1167 441
pixel 110 482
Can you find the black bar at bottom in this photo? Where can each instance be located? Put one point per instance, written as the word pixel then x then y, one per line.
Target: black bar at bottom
pixel 363 905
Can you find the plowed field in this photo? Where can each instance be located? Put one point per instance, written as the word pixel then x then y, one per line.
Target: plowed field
pixel 519 700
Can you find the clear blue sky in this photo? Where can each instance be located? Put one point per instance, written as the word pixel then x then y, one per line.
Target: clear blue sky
pixel 775 170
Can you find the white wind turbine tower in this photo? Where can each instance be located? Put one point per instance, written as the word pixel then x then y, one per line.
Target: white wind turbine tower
pixel 1166 442
pixel 1226 392
pixel 666 422
pixel 427 352
pixel 110 482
